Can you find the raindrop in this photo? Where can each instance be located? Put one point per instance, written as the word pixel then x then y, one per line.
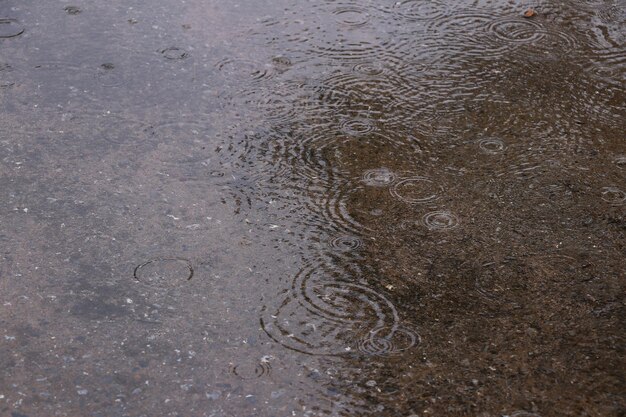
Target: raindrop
pixel 351 16
pixel 388 341
pixel 356 127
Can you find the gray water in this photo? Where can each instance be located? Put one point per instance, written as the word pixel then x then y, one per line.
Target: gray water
pixel 312 208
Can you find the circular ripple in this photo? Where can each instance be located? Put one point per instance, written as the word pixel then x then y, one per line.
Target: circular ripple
pixel 244 70
pixel 613 195
pixel 416 10
pixel 107 76
pixel 416 190
pixel 516 30
pixel 164 272
pixel 10 28
pixel 491 145
pixel 379 177
pixel 346 243
pixel 174 53
pixel 252 370
pixel 388 341
pixel 356 127
pixel 620 161
pixel 351 16
pixel 440 220
pixel 183 142
pixel 322 309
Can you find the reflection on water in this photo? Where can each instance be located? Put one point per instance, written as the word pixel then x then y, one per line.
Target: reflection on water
pixel 331 208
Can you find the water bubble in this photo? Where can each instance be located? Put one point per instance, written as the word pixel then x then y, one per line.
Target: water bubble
pixel 416 190
pixel 164 272
pixel 491 145
pixel 10 28
pixel 440 220
pixel 379 177
pixel 174 53
pixel 613 195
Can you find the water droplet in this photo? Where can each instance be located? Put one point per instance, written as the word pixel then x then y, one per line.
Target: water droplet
pixel 174 53
pixel 613 195
pixel 379 177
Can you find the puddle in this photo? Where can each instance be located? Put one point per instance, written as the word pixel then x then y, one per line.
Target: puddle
pixel 347 208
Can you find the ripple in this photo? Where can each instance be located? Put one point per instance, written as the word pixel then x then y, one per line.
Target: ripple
pixel 620 161
pixel 613 195
pixel 72 10
pixel 244 69
pixel 356 127
pixel 346 243
pixel 491 145
pixel 164 272
pixel 388 341
pixel 323 308
pixel 183 142
pixel 440 220
pixel 332 211
pixel 351 16
pixel 417 10
pixel 516 30
pixel 379 177
pixel 10 28
pixel 505 283
pixel 174 53
pixel 416 190
pixel 107 76
pixel 253 369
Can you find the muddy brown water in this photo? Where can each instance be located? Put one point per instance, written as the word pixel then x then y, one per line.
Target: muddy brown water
pixel 312 208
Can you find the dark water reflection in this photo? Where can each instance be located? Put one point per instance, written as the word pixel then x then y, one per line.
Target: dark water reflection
pixel 321 208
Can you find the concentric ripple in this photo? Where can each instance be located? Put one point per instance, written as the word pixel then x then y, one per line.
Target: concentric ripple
pixel 491 145
pixel 244 69
pixel 10 28
pixel 440 220
pixel 416 190
pixel 417 10
pixel 322 309
pixel 516 30
pixel 164 272
pixel 613 195
pixel 356 127
pixel 379 177
pixel 183 142
pixel 351 16
pixel 388 341
pixel 346 243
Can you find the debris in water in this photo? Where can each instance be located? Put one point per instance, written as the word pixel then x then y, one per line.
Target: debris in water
pixel 530 13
